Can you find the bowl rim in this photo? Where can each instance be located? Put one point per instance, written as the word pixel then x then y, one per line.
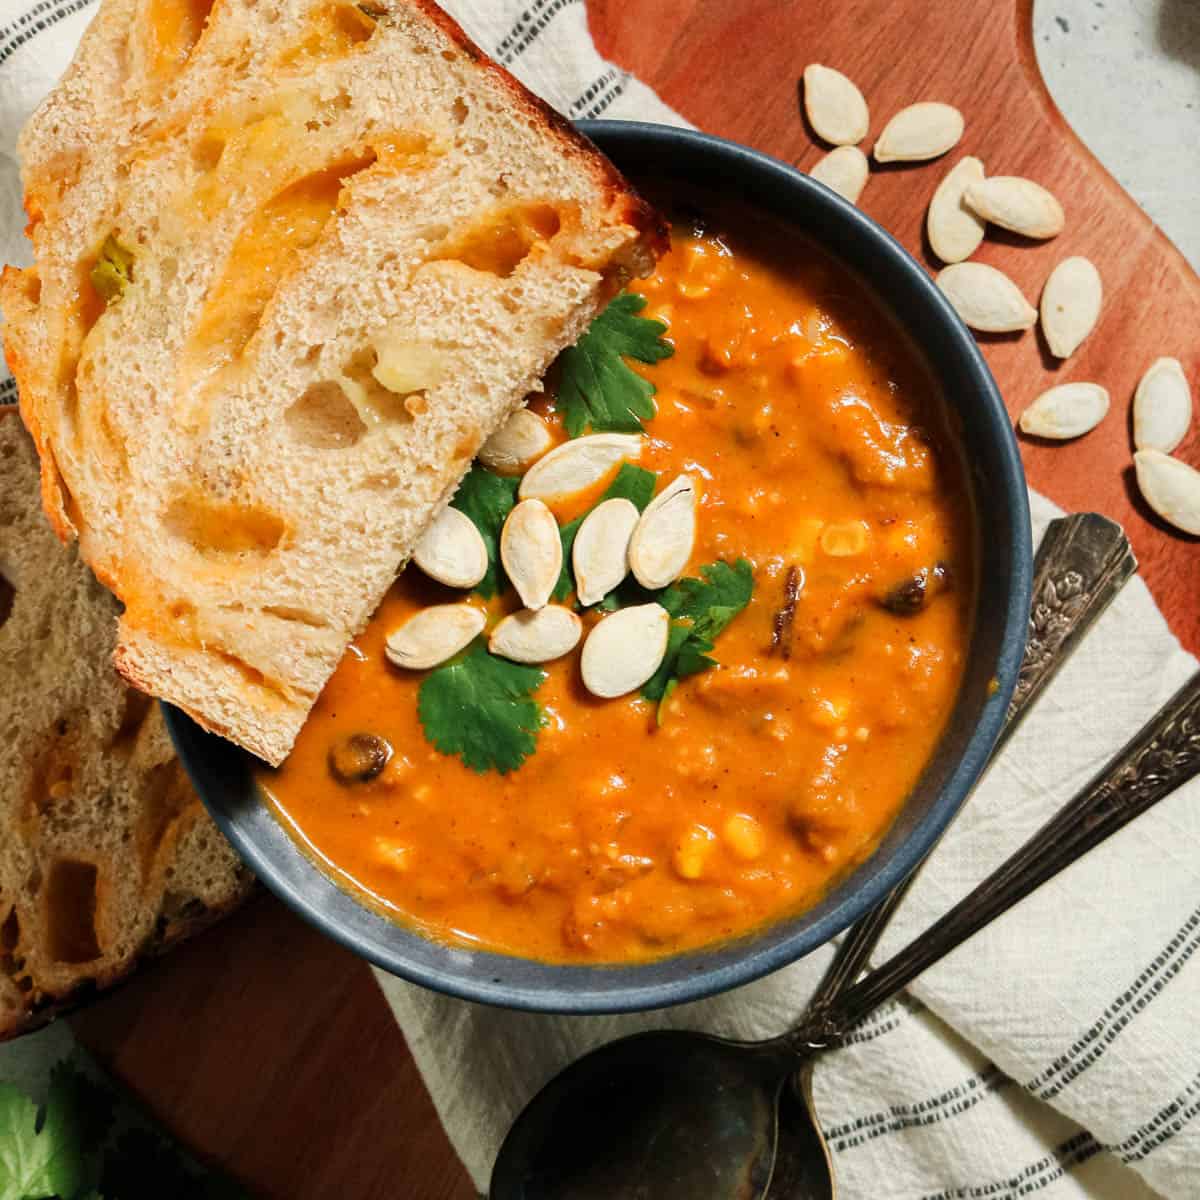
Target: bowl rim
pixel 256 833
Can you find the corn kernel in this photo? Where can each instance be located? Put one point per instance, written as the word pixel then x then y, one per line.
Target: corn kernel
pixel 829 713
pixel 693 851
pixel 745 836
pixel 844 539
pixel 393 854
pixel 862 733
pixel 804 539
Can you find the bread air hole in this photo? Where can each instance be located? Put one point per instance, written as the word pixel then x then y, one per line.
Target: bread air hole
pixel 502 240
pixel 324 418
pixel 223 528
pixel 8 595
pixel 69 911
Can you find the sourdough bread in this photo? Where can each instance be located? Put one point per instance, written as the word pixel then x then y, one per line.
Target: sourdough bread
pixel 106 854
pixel 295 261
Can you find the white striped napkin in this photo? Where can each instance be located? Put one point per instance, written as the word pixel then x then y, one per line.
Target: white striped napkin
pixel 1053 1055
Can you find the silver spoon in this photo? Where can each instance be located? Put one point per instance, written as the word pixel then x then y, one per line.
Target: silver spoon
pixel 1081 565
pixel 678 1116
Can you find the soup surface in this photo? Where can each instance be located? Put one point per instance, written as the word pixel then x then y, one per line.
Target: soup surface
pixel 821 457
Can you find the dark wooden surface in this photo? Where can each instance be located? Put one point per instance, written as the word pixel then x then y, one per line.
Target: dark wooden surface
pixel 267 1048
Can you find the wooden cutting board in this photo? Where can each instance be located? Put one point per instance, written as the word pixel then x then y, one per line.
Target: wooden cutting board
pixel 268 1048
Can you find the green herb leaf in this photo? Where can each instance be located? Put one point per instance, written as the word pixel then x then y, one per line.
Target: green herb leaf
pixel 481 708
pixel 712 601
pixel 113 271
pixel 487 498
pixel 598 387
pixel 635 484
pixel 701 609
pixel 25 1156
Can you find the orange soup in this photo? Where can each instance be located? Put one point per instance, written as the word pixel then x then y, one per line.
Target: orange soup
pixel 639 828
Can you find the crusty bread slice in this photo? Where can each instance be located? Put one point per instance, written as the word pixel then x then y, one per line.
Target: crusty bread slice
pixel 338 246
pixel 106 854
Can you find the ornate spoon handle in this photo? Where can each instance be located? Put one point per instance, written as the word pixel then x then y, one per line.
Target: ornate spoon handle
pixel 1164 755
pixel 1083 562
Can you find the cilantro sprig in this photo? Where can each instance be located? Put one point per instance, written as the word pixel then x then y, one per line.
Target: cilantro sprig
pixel 700 611
pixel 481 708
pixel 635 484
pixel 487 498
pixel 88 1143
pixel 598 387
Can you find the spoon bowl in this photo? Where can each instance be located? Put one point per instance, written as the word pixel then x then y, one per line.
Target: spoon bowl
pixel 656 1116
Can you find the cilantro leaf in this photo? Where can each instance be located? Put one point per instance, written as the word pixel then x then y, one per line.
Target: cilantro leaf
pixel 635 484
pixel 715 599
pixel 487 498
pixel 700 609
pixel 26 1157
pixel 598 387
pixel 481 708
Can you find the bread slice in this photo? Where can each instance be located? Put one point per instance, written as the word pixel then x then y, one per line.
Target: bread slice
pixel 295 261
pixel 106 854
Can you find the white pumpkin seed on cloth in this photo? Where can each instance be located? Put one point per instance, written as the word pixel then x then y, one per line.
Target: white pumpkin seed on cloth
pixel 1171 488
pixel 433 635
pixel 1070 305
pixel 537 636
pixel 986 299
pixel 452 550
pixel 517 444
pixel 835 107
pixel 579 464
pixel 954 229
pixel 624 650
pixel 1162 407
pixel 1017 204
pixel 531 551
pixel 663 540
pixel 1067 411
pixel 845 170
pixel 600 555
pixel 920 132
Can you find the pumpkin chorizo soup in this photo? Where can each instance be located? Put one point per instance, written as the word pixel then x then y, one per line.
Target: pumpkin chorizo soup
pixel 773 706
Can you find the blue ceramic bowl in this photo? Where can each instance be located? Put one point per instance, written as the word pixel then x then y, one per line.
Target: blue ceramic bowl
pixel 223 775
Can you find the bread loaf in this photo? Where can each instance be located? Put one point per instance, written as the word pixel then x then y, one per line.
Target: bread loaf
pixel 106 854
pixel 294 261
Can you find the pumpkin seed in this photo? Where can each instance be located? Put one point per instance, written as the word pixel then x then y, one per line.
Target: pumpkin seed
pixel 1018 204
pixel 845 170
pixel 835 107
pixel 1162 407
pixel 537 637
pixel 600 555
pixel 434 635
pixel 919 132
pixel 662 542
pixel 1171 488
pixel 1067 411
pixel 624 650
pixel 1070 305
pixel 579 464
pixel 517 444
pixel 955 231
pixel 531 551
pixel 985 298
pixel 452 550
